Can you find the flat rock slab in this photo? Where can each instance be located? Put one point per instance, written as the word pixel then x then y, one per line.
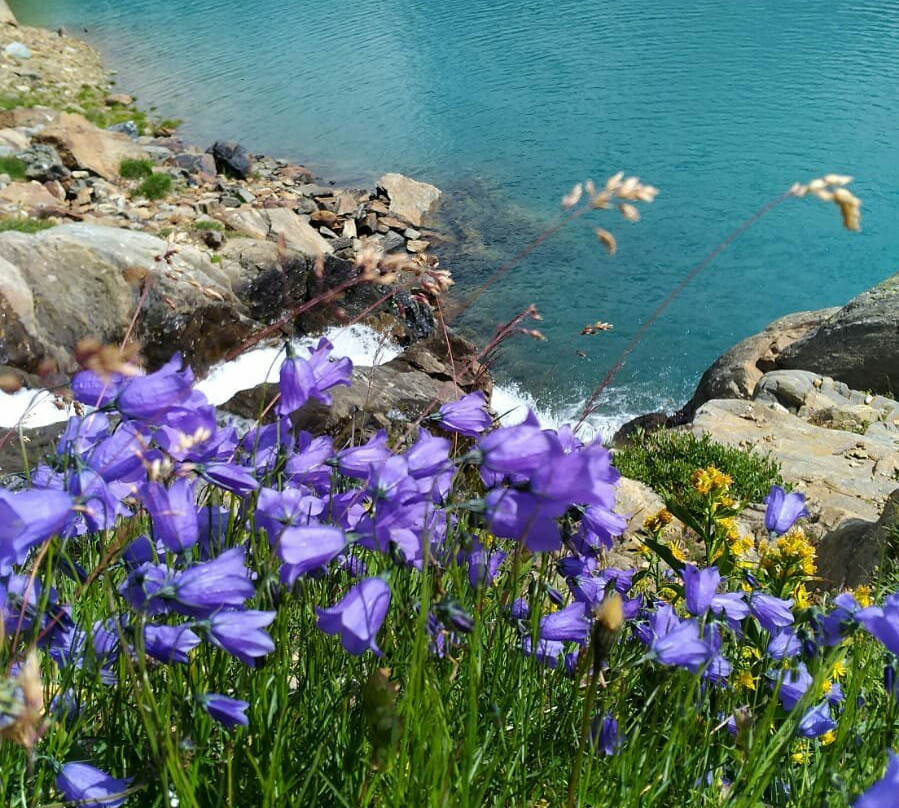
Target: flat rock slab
pixel 409 199
pixel 28 196
pixel 843 475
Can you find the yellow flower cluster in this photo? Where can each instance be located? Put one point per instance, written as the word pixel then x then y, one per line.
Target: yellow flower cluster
pixel 711 481
pixel 790 552
pixel 658 522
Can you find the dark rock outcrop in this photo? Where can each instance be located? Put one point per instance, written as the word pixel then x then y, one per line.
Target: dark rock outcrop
pixel 232 159
pixel 858 345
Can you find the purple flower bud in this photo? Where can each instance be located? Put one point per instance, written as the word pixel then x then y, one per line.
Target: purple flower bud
pixel 358 617
pixel 230 477
pixel 783 509
pixel 212 585
pixel 816 721
pixel 467 416
pixel 228 712
pixel 699 588
pixel 605 735
pixel 85 785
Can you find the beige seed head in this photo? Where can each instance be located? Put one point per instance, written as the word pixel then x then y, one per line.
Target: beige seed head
pixel 607 240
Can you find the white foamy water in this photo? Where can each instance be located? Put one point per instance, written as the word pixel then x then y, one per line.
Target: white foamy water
pixel 364 346
pixel 512 403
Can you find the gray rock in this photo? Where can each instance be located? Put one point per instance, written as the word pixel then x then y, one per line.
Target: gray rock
pixel 736 372
pixel 74 280
pixel 392 242
pixel 126 128
pixel 851 554
pixel 196 163
pixel 43 163
pixel 232 159
pixel 305 205
pixel 858 345
pixel 844 475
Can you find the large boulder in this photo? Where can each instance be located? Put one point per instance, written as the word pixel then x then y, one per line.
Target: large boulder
pixel 76 280
pixel 83 146
pixel 409 199
pixel 859 344
pixel 232 159
pixel 736 372
pixel 851 554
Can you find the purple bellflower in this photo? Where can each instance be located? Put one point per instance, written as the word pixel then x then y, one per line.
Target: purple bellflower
pixel 816 721
pixel 468 416
pixel 240 633
pixel 772 613
pixel 358 617
pixel 28 518
pixel 783 510
pixel 228 712
pixel 570 623
pixel 699 588
pixel 174 512
pixel 86 785
pixel 883 622
pixel 883 793
pixel 148 397
pixel 170 643
pixel 307 548
pixel 302 379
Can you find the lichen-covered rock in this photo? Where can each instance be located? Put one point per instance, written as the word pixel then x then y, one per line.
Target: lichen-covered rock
pixel 859 344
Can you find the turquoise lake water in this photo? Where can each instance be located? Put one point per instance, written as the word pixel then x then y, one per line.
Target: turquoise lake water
pixel 722 105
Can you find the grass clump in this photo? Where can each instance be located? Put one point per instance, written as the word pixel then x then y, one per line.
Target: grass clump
pixel 665 460
pixel 135 169
pixel 12 166
pixel 156 186
pixel 209 224
pixel 25 225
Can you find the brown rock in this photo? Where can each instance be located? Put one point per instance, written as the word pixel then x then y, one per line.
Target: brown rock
pixel 83 145
pixel 417 245
pixel 409 199
pixel 323 217
pixel 28 195
pixel 118 100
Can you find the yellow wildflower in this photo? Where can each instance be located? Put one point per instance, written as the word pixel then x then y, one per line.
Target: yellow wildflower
pixel 828 738
pixel 800 756
pixel 802 597
pixel 863 596
pixel 659 521
pixel 745 681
